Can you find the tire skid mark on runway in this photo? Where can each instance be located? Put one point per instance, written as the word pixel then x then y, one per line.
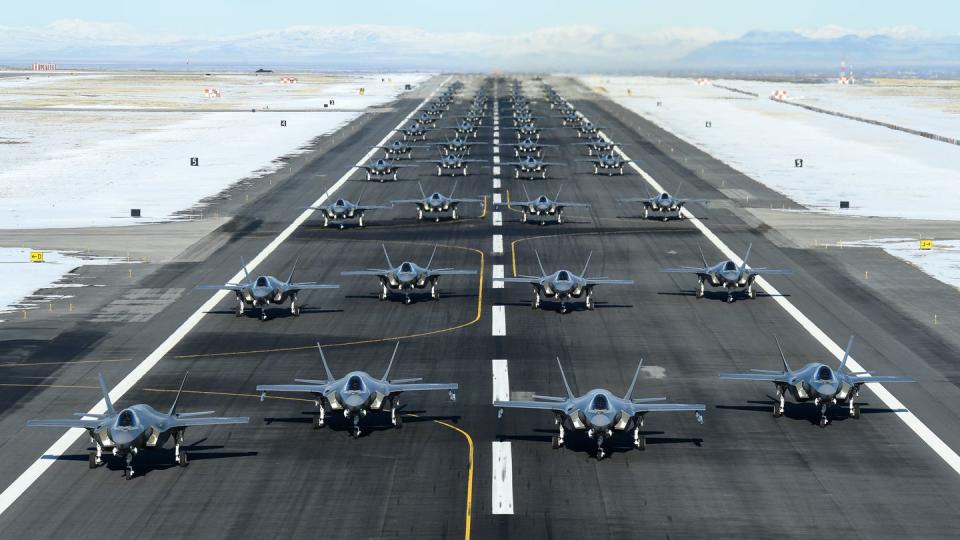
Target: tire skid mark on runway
pixel 26 479
pixel 925 434
pixel 475 320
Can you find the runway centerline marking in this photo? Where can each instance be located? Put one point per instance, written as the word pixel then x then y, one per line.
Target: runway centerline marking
pixel 496 160
pixel 496 170
pixel 501 380
pixel 498 244
pixel 496 150
pixel 502 486
pixel 497 219
pixel 911 420
pixel 497 274
pixel 496 183
pixel 497 198
pixel 499 318
pixel 61 445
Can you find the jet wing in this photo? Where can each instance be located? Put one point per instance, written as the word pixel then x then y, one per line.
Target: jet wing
pixel 539 405
pixel 606 281
pixel 225 286
pixel 367 272
pixel 572 204
pixel 304 388
pixel 176 422
pixel 407 201
pixel 771 271
pixel 861 379
pixel 519 279
pixel 552 163
pixel 451 272
pixel 756 376
pixel 458 201
pixel 92 423
pixel 311 285
pixel 655 407
pixel 421 387
pixel 685 270
pixel 370 207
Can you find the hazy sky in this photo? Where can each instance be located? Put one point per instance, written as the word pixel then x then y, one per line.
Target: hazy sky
pixel 212 18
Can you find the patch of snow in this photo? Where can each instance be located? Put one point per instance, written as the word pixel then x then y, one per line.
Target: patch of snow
pixel 942 262
pixel 22 278
pixel 880 171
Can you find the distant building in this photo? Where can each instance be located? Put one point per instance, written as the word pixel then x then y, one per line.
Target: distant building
pixel 44 67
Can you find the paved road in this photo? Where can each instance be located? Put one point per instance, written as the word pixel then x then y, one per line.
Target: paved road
pixel 742 473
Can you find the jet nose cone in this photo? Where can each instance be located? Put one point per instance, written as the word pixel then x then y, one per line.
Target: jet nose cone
pixel 826 389
pixel 601 420
pixel 354 401
pixel 123 438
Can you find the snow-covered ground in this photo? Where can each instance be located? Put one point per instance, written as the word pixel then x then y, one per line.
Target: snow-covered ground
pixel 79 169
pixel 941 262
pixel 880 171
pixel 21 278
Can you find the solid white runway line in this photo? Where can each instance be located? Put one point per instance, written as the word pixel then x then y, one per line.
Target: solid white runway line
pixel 497 218
pixel 502 496
pixel 497 273
pixel 496 183
pixel 911 420
pixel 498 244
pixel 497 199
pixel 499 321
pixel 49 457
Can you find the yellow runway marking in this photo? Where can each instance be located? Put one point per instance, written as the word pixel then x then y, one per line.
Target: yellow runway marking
pixel 466 534
pixel 512 209
pixel 475 320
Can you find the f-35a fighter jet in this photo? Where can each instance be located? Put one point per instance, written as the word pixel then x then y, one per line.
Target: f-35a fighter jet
pixel 383 168
pixel 543 206
pixel 265 290
pixel 408 276
pixel 399 149
pixel 437 203
pixel 607 164
pixel 727 274
pixel 458 145
pixel 599 412
pixel 357 393
pixel 563 285
pixel 818 383
pixel 663 203
pixel 529 146
pixel 451 163
pixel 531 167
pixel 342 210
pixel 128 432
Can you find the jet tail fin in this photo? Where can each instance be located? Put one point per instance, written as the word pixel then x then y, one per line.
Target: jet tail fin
pixel 430 261
pixel 292 270
pixel 557 198
pixel 326 368
pixel 846 355
pixel 243 264
pixel 390 364
pixel 454 190
pixel 525 192
pixel 584 273
pixel 747 254
pixel 564 377
pixel 786 366
pixel 173 408
pixel 542 272
pixel 626 397
pixel 387 255
pixel 106 395
pixel 702 258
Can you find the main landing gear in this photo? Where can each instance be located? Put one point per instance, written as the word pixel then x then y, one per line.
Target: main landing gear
pixel 395 419
pixel 558 440
pixel 96 457
pixel 823 413
pixel 639 441
pixel 779 405
pixel 179 456
pixel 536 300
pixel 589 301
pixel 384 292
pixel 294 308
pixel 240 307
pixel 700 289
pixel 320 419
pixel 128 471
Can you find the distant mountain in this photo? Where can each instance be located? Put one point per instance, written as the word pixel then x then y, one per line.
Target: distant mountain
pixel 790 51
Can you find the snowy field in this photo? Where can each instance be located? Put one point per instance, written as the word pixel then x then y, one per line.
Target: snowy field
pixel 941 262
pixel 21 278
pixel 880 171
pixel 81 169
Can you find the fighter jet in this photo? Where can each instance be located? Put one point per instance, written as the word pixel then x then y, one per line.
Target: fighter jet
pixel 265 290
pixel 663 203
pixel 599 412
pixel 342 209
pixel 451 163
pixel 382 168
pixel 564 285
pixel 727 274
pixel 465 128
pixel 416 131
pixel 426 118
pixel 357 393
pixel 818 383
pixel 129 432
pixel 408 276
pixel 458 145
pixel 598 145
pixel 399 149
pixel 437 203
pixel 529 146
pixel 607 163
pixel 526 131
pixel 570 116
pixel 543 206
pixel 586 129
pixel 530 166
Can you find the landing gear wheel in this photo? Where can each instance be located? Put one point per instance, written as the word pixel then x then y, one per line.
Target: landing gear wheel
pixel 729 298
pixel 563 308
pixel 855 412
pixel 823 421
pixel 361 222
pixel 239 312
pixel 751 293
pixel 646 213
pixel 182 459
pixel 93 460
pixel 326 221
pixel 555 442
pixel 434 293
pixel 397 421
pixel 700 290
pixel 263 314
pixel 318 421
pixel 453 213
pixel 777 410
pixel 128 473
pixel 600 454
pixel 407 300
pixel 356 432
pixel 640 443
pixel 589 303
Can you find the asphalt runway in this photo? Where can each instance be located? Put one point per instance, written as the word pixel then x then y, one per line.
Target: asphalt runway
pixel 742 473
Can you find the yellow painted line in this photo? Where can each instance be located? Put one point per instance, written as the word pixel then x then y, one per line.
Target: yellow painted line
pixel 60 363
pixel 227 394
pixel 466 534
pixel 512 209
pixel 484 213
pixel 475 320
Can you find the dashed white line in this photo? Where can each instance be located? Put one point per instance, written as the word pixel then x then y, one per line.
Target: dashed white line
pixel 498 244
pixel 499 321
pixel 49 457
pixel 496 150
pixel 496 141
pixel 911 420
pixel 496 170
pixel 502 478
pixel 496 183
pixel 501 380
pixel 497 218
pixel 497 274
pixel 497 198
pixel 496 160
